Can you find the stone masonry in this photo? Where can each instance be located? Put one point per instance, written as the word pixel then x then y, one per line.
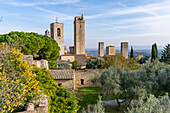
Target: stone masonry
pixel 101 49
pixel 57 33
pixel 110 50
pixel 124 49
pixel 79 35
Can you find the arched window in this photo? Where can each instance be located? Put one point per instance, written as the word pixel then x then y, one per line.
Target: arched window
pixel 58 32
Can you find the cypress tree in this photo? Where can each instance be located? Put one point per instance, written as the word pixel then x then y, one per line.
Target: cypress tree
pixel 131 53
pixel 154 51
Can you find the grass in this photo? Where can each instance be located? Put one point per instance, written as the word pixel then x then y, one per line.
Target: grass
pixel 90 96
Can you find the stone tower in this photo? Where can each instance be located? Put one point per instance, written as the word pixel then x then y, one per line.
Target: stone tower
pixel 110 50
pixel 57 33
pixel 79 35
pixel 124 49
pixel 101 49
pixel 47 33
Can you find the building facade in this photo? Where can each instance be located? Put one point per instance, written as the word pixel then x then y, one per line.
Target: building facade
pixel 101 49
pixel 110 50
pixel 57 33
pixel 79 35
pixel 124 49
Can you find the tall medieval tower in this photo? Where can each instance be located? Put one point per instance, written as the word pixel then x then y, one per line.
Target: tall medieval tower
pixel 57 33
pixel 124 49
pixel 79 35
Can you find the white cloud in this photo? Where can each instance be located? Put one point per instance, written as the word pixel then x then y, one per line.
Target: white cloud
pixel 60 16
pixel 148 9
pixel 43 2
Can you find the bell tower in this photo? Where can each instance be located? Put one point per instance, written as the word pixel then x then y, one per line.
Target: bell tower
pixel 57 33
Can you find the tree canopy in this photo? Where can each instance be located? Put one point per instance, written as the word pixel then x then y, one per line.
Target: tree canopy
pixel 166 54
pixel 40 46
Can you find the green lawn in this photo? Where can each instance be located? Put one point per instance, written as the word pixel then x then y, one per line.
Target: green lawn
pixel 90 96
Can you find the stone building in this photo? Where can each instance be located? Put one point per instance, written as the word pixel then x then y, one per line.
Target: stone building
pixel 71 49
pixel 101 49
pixel 72 80
pixel 81 59
pixel 124 49
pixel 47 33
pixel 79 35
pixel 110 50
pixel 66 78
pixel 57 33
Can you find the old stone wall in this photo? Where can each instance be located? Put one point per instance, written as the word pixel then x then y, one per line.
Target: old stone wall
pixel 83 78
pixel 68 84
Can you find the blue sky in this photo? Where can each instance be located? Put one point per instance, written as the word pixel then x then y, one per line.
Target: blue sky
pixel 140 22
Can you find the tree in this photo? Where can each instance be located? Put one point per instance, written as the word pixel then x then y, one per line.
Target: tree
pixel 154 51
pixel 95 63
pixel 60 100
pixel 151 105
pixel 144 59
pixel 74 64
pixel 115 61
pixel 18 86
pixel 64 65
pixel 166 54
pixel 131 53
pixel 121 84
pixel 40 46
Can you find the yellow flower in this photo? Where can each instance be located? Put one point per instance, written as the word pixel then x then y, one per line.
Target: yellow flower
pixel 4 107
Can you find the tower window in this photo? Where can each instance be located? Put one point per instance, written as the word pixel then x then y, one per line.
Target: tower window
pixel 82 81
pixel 58 32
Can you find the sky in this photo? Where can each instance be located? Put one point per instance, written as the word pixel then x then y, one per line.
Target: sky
pixel 139 22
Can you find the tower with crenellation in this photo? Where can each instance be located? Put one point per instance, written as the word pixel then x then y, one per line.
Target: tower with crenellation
pixel 57 33
pixel 79 35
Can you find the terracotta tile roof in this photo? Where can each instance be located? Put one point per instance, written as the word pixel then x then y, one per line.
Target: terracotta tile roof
pixel 63 74
pixel 66 54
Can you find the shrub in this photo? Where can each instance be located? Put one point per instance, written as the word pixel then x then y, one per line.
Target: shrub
pixel 95 63
pixel 60 100
pixel 17 82
pixel 74 64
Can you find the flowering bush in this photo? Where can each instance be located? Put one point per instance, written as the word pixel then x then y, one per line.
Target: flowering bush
pixel 17 82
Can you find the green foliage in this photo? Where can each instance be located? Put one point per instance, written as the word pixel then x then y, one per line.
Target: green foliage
pixel 40 46
pixel 120 61
pixel 95 63
pixel 166 54
pixel 60 100
pixel 154 51
pixel 152 105
pixel 144 59
pixel 155 76
pixel 74 64
pixel 131 53
pixel 18 86
pixel 64 65
pixel 132 63
pixel 115 61
pixel 98 108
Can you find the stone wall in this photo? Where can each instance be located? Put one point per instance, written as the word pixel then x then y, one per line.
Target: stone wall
pixel 83 78
pixel 68 84
pixel 39 63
